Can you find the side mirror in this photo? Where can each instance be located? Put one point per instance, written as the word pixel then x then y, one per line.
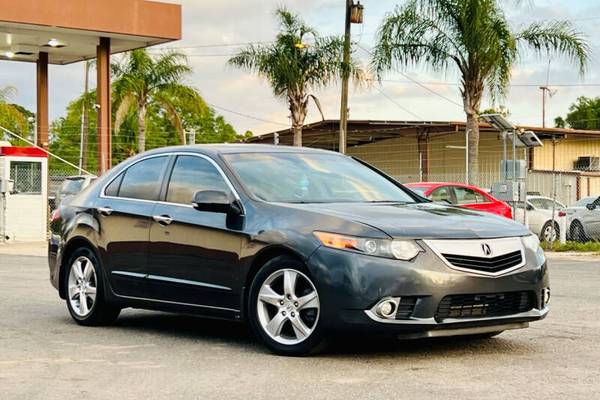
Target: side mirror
pixel 590 206
pixel 215 201
pixel 529 207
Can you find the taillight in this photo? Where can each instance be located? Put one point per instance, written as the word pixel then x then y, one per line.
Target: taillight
pixel 562 214
pixel 55 216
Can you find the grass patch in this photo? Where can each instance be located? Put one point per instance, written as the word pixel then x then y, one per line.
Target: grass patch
pixel 588 247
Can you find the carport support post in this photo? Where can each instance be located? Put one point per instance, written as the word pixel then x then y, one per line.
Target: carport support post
pixel 103 102
pixel 42 101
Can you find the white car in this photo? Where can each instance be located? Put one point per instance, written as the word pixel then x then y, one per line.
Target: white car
pixel 539 217
pixel 583 219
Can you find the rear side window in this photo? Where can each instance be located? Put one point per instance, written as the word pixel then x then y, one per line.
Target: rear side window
pixel 143 179
pixel 190 175
pixel 441 194
pixel 468 196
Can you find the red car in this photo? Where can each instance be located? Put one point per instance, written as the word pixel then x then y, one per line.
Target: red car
pixel 461 195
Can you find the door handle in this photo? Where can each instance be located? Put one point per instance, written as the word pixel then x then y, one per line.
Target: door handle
pixel 105 210
pixel 163 219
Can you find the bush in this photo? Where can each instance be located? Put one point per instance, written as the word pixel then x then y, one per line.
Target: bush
pixel 573 246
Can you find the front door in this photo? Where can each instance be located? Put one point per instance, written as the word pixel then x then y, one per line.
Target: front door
pixel 124 212
pixel 194 255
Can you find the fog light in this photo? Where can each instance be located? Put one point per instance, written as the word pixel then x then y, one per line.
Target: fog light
pixel 386 308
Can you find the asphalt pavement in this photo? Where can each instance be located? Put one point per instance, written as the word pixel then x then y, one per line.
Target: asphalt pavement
pixel 151 355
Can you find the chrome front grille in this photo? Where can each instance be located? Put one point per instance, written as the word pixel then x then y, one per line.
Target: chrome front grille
pixel 481 256
pixel 494 264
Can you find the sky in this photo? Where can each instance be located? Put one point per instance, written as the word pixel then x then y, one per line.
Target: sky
pixel 213 30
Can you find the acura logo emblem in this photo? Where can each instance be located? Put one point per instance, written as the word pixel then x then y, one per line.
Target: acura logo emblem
pixel 487 250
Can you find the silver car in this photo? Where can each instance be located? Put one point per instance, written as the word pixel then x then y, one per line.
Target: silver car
pixel 583 219
pixel 539 217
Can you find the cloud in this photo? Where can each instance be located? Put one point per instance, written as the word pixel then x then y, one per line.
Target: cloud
pixel 218 22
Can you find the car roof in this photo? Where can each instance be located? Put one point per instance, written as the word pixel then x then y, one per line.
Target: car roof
pixel 433 185
pixel 236 148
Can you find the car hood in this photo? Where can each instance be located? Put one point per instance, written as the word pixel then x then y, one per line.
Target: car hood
pixel 423 220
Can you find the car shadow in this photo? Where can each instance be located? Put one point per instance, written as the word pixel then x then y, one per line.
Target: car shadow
pixel 238 335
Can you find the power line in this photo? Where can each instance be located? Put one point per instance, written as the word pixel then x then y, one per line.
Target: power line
pixel 246 115
pixel 397 104
pixel 418 83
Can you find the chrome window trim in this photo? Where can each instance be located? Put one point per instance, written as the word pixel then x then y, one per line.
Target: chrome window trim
pixel 182 153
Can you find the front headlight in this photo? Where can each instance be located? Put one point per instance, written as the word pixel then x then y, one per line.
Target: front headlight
pixel 531 242
pixel 398 249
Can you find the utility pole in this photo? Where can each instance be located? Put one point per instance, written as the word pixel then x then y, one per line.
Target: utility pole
pixel 544 89
pixel 354 14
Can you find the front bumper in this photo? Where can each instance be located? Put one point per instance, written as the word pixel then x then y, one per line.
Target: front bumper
pixel 351 284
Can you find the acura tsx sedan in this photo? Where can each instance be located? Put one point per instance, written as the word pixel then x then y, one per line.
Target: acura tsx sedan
pixel 302 244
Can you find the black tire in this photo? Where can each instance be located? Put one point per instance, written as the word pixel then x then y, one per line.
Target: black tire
pixel 311 344
pixel 546 226
pixel 101 312
pixel 577 232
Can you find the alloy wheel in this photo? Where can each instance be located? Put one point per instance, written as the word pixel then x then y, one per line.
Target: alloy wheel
pixel 288 306
pixel 549 234
pixel 82 286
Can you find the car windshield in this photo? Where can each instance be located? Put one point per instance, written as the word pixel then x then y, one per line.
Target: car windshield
pixel 418 190
pixel 313 178
pixel 72 186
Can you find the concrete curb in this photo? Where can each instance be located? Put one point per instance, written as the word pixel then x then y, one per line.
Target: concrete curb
pixel 573 255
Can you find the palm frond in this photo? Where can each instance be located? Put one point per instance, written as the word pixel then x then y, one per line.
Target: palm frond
pixel 557 38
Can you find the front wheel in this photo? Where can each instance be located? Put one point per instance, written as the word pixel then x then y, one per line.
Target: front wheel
pixel 85 295
pixel 284 308
pixel 549 234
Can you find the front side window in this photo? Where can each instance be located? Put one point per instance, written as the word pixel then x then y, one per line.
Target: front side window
pixel 190 175
pixel 313 178
pixel 27 177
pixel 143 179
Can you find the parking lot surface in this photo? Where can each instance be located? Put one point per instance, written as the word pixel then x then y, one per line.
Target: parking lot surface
pixel 148 355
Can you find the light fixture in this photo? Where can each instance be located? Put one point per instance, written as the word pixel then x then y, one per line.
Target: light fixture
pixel 55 43
pixel 9 54
pixel 356 13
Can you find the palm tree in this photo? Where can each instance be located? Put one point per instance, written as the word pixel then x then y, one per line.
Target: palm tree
pixel 474 38
pixel 143 81
pixel 296 62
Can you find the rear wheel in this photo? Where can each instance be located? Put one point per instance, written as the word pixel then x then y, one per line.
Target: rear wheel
pixel 549 234
pixel 577 232
pixel 85 292
pixel 284 308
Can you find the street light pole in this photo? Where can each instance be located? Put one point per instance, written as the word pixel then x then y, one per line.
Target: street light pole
pixel 345 78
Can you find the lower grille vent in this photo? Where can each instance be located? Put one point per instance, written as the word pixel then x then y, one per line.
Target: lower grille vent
pixel 485 305
pixel 406 307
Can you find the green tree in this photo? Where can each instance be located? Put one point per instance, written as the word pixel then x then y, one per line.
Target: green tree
pixel 143 82
pixel 12 116
pixel 583 114
pixel 474 38
pixel 298 61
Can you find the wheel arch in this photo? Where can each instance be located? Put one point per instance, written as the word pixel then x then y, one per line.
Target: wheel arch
pixel 261 258
pixel 68 249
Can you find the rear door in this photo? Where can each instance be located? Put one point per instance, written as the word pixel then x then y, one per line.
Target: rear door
pixel 194 254
pixel 469 198
pixel 124 212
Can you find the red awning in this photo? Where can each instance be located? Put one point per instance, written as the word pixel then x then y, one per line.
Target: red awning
pixel 22 151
